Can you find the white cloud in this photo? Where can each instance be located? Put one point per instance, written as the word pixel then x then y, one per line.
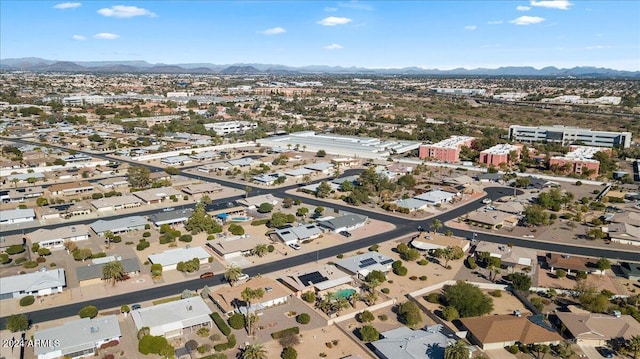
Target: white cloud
pixel 495 22
pixel 274 31
pixel 123 11
pixel 353 4
pixel 67 5
pixel 333 21
pixel 78 37
pixel 552 4
pixel 106 36
pixel 330 9
pixel 527 20
pixel 333 47
pixel 470 27
pixel 523 8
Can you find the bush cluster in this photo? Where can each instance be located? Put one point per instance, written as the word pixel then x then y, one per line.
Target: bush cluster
pixel 280 334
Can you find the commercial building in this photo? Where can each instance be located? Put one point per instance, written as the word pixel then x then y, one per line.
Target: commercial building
pixel 77 338
pixel 447 150
pixel 498 154
pixel 578 160
pixel 176 160
pixel 43 282
pixel 175 318
pixel 460 91
pixel 568 135
pixel 225 128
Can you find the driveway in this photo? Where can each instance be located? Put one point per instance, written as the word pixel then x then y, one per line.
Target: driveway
pixel 591 352
pixel 499 354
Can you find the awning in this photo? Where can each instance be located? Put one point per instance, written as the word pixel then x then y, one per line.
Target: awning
pixel 328 284
pixel 425 246
pixel 222 215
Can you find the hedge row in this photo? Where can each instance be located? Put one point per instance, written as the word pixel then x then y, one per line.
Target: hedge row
pixel 280 334
pixel 231 343
pixel 222 325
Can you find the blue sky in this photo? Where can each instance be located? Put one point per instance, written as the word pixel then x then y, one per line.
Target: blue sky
pixel 375 34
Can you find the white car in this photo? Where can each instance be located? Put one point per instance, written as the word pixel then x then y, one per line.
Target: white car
pixel 486 201
pixel 243 277
pixel 295 246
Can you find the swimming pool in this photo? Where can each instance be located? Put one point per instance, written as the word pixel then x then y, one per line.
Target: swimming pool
pixel 240 219
pixel 344 293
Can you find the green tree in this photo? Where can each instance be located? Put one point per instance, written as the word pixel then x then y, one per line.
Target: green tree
pixel 603 264
pixel 125 309
pixel 41 201
pixel 82 254
pixel 89 311
pixel 409 314
pixel 346 186
pixel 456 351
pixel 521 282
pixel 17 323
pixel 436 225
pixel 634 345
pixel 564 350
pixel 260 250
pixel 323 190
pixel 232 273
pixel 265 207
pixel 366 317
pixel 172 171
pixel 321 153
pixel 369 333
pixel 138 177
pixel 541 350
pixel 254 351
pixel 318 211
pixel 156 270
pixel 289 353
pixel 113 271
pixel 468 299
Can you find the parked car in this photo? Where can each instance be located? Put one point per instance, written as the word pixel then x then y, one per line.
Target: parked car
pixel 206 275
pixel 486 201
pixel 345 233
pixel 295 246
pixel 136 306
pixel 605 352
pixel 243 277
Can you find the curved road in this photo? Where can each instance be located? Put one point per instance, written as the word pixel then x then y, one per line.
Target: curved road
pixel 403 227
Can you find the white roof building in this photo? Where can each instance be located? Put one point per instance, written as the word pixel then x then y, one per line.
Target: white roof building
pixel 17 215
pixel 436 197
pixel 173 318
pixel 169 259
pixel 55 238
pixel 365 263
pixel 36 283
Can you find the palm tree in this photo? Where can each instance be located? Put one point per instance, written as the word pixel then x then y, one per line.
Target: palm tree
pixel 252 321
pixel 248 295
pixel 232 273
pixel 564 350
pixel 113 272
pixel 306 179
pixel 354 298
pixel 340 304
pixel 456 351
pixel 436 225
pixel 634 345
pixel 260 250
pixel 254 351
pixel 247 189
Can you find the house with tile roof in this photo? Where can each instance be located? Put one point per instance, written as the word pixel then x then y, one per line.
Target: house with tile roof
pixel 499 331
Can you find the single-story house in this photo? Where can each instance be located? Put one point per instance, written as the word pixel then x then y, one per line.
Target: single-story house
pixel 113 182
pixel 237 247
pixel 405 343
pixel 229 299
pixel 243 162
pixel 120 225
pixel 510 256
pixel 313 188
pixel 10 240
pixel 459 180
pixel 175 318
pixel 499 331
pixel 298 173
pixel 597 329
pixel 171 217
pixel 298 233
pixel 115 203
pixel 36 283
pixel 346 222
pixel 169 259
pixel 540 183
pixel 412 204
pixel 157 195
pixel 629 217
pixel 76 338
pixel 510 207
pixel 492 219
pixel 21 194
pixel 17 215
pixel 320 278
pixel 346 162
pixel 432 241
pixel 176 160
pixel 203 156
pixel 202 188
pixel 267 179
pixel 23 177
pixel 65 210
pixel 255 201
pixel 436 197
pixel 55 238
pixel 489 177
pixel 624 233
pixel 92 273
pixel 70 188
pixel 630 270
pixel 320 167
pixel 570 263
pixel 208 168
pixel 364 263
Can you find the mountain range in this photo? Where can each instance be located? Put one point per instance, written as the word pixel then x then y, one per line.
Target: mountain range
pixel 42 65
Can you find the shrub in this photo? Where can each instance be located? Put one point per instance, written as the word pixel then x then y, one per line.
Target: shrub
pixel 303 318
pixel 289 353
pixel 366 317
pixel 423 277
pixel 402 271
pixel 4 258
pixel 143 245
pixel 30 264
pixel 153 344
pixel 204 348
pixel 409 313
pixel 203 332
pixel 496 293
pixel 578 183
pixel 259 222
pixel 146 234
pixel 231 342
pixel 236 230
pixel 396 264
pixel 383 317
pixel 561 273
pixel 27 301
pixel 89 311
pixel 369 334
pixel 20 260
pixel 340 256
pixel 110 344
pixel 423 262
pixel 435 298
pixel 450 313
pixel 413 277
pixel 280 334
pixel 537 303
pixel 271 248
pixel 221 324
pixel 410 255
pixel 385 290
pixel 236 321
pixel 309 297
pixel 98 255
pixel 374 248
pixel 15 249
pixel 44 252
pixel 514 349
pixel 116 239
pixel 186 238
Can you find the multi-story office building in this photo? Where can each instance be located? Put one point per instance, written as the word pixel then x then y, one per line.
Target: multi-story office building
pixel 499 154
pixel 569 135
pixel 225 128
pixel 579 160
pixel 447 150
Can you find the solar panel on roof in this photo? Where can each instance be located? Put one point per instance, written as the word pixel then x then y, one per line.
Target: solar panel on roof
pixel 386 261
pixel 314 278
pixel 367 262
